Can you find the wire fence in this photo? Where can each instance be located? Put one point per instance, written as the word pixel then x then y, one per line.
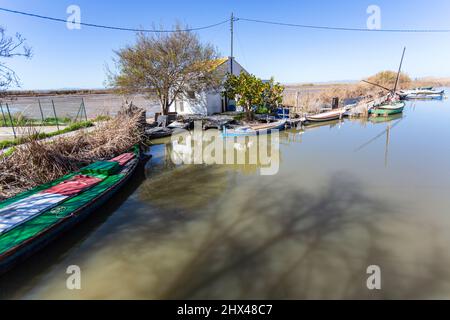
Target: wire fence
pixel 72 108
pixel 17 114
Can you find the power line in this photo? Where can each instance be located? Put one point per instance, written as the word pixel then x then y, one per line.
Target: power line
pixel 305 26
pixel 112 27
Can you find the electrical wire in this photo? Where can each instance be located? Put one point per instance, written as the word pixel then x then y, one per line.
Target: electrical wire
pixel 305 26
pixel 112 27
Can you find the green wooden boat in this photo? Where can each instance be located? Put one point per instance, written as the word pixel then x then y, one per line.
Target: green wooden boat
pixel 386 119
pixel 388 109
pixel 33 219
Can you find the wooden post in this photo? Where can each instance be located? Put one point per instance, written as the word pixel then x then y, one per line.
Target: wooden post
pixel 42 113
pixel 3 114
pixel 78 112
pixel 54 113
pixel 84 108
pixel 11 120
pixel 335 103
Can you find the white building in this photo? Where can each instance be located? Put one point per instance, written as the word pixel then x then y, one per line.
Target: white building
pixel 207 103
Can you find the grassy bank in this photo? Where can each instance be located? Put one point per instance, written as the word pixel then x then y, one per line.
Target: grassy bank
pixel 19 120
pixel 42 135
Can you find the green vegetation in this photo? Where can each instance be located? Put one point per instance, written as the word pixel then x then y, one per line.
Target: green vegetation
pixel 8 152
pixel 42 135
pixel 19 120
pixel 251 92
pixel 262 110
pixel 101 118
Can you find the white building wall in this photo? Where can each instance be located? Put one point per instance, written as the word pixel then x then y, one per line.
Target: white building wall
pixel 207 103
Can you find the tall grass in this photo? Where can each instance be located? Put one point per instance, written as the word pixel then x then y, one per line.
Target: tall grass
pixel 19 120
pixel 37 162
pixel 313 100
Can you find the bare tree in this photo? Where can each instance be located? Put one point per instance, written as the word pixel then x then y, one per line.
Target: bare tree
pixel 10 47
pixel 168 66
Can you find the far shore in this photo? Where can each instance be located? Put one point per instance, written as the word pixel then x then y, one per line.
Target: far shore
pixel 108 101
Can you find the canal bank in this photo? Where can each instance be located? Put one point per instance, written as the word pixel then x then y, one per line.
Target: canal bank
pixel 347 196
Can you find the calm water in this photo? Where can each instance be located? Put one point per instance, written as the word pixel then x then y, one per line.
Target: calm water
pixel 348 195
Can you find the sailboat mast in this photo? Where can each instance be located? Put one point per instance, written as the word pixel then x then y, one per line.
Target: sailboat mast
pixel 399 70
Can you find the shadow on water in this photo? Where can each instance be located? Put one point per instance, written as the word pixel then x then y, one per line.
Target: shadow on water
pixel 281 243
pixel 26 274
pixel 224 232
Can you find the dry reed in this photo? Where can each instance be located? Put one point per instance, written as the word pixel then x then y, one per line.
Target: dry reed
pixel 37 162
pixel 312 98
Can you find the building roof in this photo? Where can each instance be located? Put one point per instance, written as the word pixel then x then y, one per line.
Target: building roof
pixel 218 62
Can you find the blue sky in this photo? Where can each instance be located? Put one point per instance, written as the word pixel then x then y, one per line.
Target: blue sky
pixel 76 58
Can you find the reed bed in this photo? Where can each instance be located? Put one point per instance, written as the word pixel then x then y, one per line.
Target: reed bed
pixel 37 162
pixel 311 98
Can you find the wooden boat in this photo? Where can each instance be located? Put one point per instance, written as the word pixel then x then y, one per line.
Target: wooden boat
pixel 255 129
pixel 31 220
pixel 315 125
pixel 421 93
pixel 425 88
pixel 178 125
pixel 386 119
pixel 158 132
pixel 326 116
pixel 388 109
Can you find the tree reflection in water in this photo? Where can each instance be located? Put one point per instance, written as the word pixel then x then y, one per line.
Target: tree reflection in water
pixel 277 240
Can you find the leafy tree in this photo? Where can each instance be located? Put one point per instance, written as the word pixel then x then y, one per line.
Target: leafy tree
pixel 250 91
pixel 272 94
pixel 168 66
pixel 10 47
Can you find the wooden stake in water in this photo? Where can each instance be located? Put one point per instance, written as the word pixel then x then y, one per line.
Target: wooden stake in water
pixel 42 113
pixel 11 120
pixel 3 115
pixel 54 113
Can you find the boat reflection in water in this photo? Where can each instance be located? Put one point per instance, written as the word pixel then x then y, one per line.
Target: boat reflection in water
pixel 309 231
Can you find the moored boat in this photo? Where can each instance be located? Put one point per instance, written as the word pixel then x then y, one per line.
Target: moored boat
pixel 388 109
pixel 255 129
pixel 326 116
pixel 421 93
pixel 386 119
pixel 31 220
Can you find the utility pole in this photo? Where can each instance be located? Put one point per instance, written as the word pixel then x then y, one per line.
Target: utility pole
pixel 232 41
pixel 227 101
